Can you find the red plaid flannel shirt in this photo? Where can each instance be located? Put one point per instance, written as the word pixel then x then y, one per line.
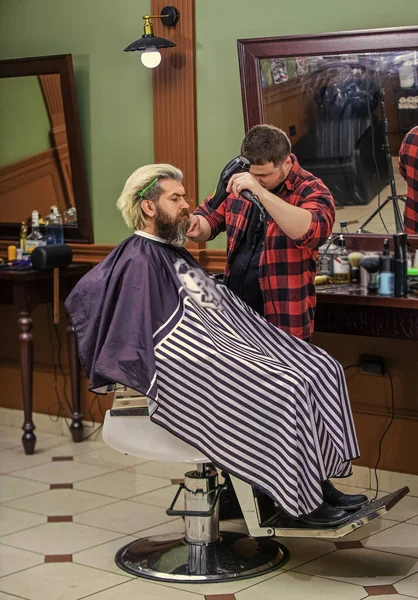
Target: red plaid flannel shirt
pixel 288 266
pixel 408 168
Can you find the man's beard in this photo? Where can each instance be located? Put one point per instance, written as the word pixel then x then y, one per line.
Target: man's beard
pixel 172 230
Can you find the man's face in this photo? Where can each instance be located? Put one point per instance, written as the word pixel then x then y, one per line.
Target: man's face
pixel 269 176
pixel 172 219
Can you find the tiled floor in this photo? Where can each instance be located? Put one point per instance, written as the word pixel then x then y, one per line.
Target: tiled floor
pixel 66 510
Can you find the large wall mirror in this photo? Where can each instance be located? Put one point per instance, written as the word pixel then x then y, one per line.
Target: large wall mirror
pixel 346 100
pixel 41 154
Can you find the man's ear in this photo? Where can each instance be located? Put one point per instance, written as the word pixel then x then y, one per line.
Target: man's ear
pixel 148 207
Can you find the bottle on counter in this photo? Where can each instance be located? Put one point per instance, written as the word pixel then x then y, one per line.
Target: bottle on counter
pixel 54 230
pixel 386 274
pixel 23 236
pixel 343 227
pixel 325 257
pixel 35 238
pixel 341 263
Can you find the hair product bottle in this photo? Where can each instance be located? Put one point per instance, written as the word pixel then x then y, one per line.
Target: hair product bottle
pixel 386 275
pixel 341 263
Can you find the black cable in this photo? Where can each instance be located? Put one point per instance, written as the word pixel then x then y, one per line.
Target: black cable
pixel 392 416
pixel 374 155
pixel 61 411
pixel 351 366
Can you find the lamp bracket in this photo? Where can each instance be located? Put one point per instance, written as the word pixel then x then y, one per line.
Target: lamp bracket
pixel 169 16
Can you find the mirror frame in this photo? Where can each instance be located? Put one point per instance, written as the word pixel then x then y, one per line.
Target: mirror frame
pixel 61 64
pixel 252 50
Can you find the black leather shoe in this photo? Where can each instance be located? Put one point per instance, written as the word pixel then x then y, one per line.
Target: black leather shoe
pixel 341 500
pixel 325 516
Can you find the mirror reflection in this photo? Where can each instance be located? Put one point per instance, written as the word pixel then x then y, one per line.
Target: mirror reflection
pixel 346 116
pixel 35 168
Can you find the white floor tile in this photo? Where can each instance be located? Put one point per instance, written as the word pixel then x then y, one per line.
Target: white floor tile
pixel 60 581
pixel 15 459
pixel 167 470
pixel 61 502
pixel 59 538
pixel 122 484
pixel 295 586
pixel 69 448
pixel 408 586
pixel 54 472
pixel 144 590
pixel 12 520
pixel 303 550
pixel 14 559
pixel 124 517
pixel 107 457
pixel 175 526
pixel 162 497
pixel 9 597
pixel 401 539
pixel 103 556
pixel 14 487
pixel 361 567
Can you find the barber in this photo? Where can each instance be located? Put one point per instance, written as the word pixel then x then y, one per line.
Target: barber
pixel 272 248
pixel 408 168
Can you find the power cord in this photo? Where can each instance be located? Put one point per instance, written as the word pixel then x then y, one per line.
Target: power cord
pixel 392 416
pixel 61 411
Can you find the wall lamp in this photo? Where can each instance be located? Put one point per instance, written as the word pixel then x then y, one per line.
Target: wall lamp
pixel 150 44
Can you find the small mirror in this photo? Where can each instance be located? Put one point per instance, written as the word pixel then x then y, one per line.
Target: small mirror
pixel 41 160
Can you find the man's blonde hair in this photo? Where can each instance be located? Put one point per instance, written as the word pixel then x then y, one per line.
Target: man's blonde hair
pixel 144 184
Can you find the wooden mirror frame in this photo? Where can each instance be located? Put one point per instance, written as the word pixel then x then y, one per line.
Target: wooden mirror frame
pixel 251 51
pixel 62 65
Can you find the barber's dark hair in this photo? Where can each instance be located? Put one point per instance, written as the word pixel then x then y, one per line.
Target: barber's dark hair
pixel 264 144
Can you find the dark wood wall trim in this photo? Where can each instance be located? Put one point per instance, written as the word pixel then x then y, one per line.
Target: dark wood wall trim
pixel 174 98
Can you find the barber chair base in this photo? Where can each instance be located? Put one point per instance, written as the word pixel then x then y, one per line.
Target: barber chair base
pixel 171 558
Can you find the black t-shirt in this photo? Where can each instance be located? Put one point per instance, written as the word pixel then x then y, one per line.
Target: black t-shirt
pixel 243 278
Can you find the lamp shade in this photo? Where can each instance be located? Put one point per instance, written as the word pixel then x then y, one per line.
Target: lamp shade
pixel 148 41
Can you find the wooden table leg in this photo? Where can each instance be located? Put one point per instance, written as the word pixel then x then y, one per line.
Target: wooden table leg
pixel 26 370
pixel 76 426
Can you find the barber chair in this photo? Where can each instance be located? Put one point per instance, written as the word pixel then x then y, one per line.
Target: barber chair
pixel 346 147
pixel 203 553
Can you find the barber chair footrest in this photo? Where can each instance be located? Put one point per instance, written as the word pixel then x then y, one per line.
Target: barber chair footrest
pixel 170 558
pixel 285 526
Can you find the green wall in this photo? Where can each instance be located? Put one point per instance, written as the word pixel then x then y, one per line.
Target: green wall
pixel 115 90
pixel 24 122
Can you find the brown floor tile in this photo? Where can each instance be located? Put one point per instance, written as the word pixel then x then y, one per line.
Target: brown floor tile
pixel 177 481
pixel 61 486
pixel 56 558
pixel 348 545
pixel 60 519
pixel 63 458
pixel 380 590
pixel 220 597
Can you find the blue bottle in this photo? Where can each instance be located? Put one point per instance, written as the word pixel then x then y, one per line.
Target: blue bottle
pixel 386 274
pixel 54 230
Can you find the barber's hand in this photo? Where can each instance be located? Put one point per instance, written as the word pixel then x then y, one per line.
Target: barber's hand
pixel 244 181
pixel 194 230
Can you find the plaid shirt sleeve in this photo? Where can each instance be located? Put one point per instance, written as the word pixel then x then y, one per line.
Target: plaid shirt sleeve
pixel 408 168
pixel 317 199
pixel 216 218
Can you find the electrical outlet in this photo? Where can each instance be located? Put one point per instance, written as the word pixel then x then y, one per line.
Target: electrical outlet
pixel 372 365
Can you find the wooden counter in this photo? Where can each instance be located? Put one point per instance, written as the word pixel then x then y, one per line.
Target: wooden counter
pixel 350 309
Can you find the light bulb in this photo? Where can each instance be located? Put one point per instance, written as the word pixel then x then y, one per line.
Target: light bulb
pixel 150 57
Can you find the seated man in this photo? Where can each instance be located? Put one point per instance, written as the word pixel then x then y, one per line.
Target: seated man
pixel 261 404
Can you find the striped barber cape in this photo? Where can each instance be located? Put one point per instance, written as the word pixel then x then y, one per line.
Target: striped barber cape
pixel 261 404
